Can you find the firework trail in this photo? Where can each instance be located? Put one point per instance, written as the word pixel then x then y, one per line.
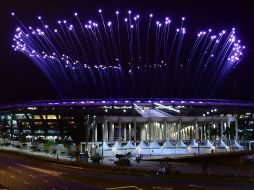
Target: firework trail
pixel 129 56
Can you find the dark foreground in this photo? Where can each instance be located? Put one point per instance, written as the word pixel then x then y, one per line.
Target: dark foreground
pixel 20 173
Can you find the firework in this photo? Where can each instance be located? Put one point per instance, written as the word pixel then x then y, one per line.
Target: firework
pixel 129 56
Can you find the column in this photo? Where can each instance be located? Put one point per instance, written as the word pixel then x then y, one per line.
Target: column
pixel 201 132
pixel 196 130
pixel 111 132
pixel 129 132
pixel 179 126
pixel 149 130
pixel 120 131
pixel 164 137
pixel 236 129
pixel 146 132
pixel 205 132
pixel 95 132
pixel 221 128
pixel 164 130
pixel 124 132
pixel 135 132
pixel 105 131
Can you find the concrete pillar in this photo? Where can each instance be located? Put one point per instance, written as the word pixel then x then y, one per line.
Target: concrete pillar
pixel 179 127
pixel 165 129
pixel 149 130
pixel 196 130
pixel 201 132
pixel 135 133
pixel 120 131
pixel 146 132
pixel 111 132
pixel 221 128
pixel 205 132
pixel 124 132
pixel 105 131
pixel 129 132
pixel 95 132
pixel 236 129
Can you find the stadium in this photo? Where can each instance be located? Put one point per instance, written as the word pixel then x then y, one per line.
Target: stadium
pixel 152 122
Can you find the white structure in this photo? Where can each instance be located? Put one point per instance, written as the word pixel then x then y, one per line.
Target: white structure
pixel 193 148
pixel 129 147
pixel 181 148
pixel 221 147
pixel 207 147
pixel 142 148
pixel 105 149
pixel 168 148
pixel 155 148
pixel 117 148
pixel 236 146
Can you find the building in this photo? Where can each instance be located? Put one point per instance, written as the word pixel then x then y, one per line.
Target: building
pixel 124 120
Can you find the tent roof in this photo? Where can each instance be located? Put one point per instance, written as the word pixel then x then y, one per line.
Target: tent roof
pixel 142 145
pixel 154 144
pixel 168 144
pixel 236 145
pixel 117 145
pixel 105 146
pixel 222 144
pixel 208 144
pixel 194 144
pixel 129 145
pixel 180 144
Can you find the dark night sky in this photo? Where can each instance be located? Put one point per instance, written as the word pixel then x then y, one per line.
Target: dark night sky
pixel 21 80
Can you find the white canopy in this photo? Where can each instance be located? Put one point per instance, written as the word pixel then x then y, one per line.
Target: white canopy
pixel 154 144
pixel 180 144
pixel 222 144
pixel 207 144
pixel 117 145
pixel 129 145
pixel 168 144
pixel 194 144
pixel 105 146
pixel 142 145
pixel 236 145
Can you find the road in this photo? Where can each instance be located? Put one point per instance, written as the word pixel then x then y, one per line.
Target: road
pixel 19 173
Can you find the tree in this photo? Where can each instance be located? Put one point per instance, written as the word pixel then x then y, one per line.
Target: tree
pixel 4 129
pixel 79 132
pixel 213 133
pixel 47 144
pixel 230 133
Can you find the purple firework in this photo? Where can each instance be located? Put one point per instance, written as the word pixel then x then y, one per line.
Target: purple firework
pixel 129 56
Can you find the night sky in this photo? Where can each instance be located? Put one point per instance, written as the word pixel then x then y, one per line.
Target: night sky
pixel 21 80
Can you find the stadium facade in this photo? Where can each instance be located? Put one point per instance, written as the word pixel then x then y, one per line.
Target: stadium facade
pixel 126 120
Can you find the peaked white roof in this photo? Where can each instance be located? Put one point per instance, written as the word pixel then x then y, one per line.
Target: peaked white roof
pixel 168 144
pixel 236 145
pixel 180 144
pixel 207 144
pixel 105 146
pixel 222 144
pixel 154 144
pixel 117 145
pixel 142 145
pixel 194 144
pixel 129 145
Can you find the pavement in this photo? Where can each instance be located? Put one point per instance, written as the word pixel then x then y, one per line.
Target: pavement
pixel 19 173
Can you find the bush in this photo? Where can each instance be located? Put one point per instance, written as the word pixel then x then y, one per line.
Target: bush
pixel 96 158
